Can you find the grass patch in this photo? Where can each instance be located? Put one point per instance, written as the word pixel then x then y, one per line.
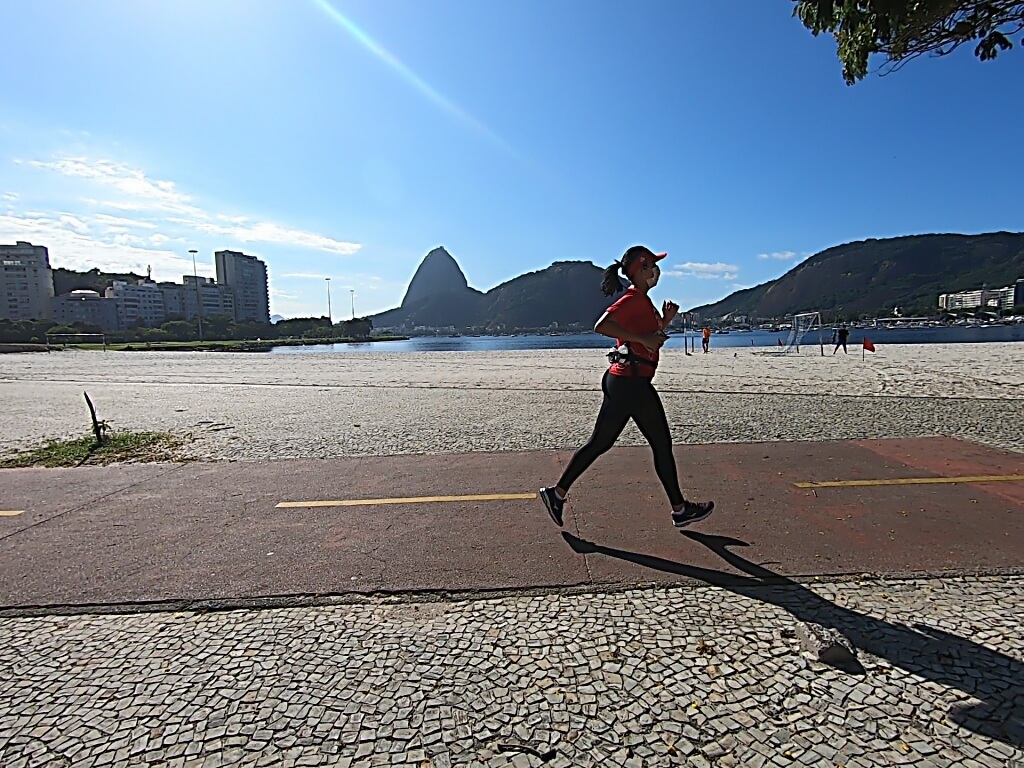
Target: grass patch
pixel 118 447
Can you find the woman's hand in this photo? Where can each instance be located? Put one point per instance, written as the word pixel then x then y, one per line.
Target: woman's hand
pixel 668 312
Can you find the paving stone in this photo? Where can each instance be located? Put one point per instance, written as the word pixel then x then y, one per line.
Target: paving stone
pixel 603 679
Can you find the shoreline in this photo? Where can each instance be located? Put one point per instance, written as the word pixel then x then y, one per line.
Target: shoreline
pixel 227 345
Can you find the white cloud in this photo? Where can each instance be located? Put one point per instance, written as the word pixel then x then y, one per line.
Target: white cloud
pixel 73 222
pixel 778 255
pixel 159 194
pixel 73 249
pixel 265 232
pixel 11 196
pixel 359 281
pixel 121 221
pixel 705 271
pixel 125 238
pixel 164 205
pixel 305 276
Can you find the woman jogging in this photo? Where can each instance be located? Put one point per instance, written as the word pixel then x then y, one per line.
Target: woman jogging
pixel 638 331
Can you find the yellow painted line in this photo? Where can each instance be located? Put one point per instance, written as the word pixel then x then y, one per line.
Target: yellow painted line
pixel 406 500
pixel 11 512
pixel 915 481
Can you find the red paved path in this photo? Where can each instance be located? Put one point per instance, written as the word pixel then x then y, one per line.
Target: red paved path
pixel 212 532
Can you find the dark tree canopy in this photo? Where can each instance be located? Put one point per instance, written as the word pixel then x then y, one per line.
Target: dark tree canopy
pixel 901 30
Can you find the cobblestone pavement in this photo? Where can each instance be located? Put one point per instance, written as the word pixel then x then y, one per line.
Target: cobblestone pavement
pixel 700 675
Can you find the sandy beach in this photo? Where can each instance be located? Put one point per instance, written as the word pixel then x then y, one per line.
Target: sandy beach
pixel 258 406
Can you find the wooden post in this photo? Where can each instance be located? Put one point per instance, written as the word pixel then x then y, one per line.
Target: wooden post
pixel 96 428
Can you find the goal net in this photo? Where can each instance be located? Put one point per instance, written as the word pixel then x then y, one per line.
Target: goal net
pixel 64 339
pixel 806 330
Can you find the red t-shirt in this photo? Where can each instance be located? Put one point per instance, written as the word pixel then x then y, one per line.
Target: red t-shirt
pixel 635 312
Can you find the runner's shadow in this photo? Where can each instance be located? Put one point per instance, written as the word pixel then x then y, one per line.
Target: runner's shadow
pixel 994 679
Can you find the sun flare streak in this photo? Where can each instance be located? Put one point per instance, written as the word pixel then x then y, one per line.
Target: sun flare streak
pixel 411 77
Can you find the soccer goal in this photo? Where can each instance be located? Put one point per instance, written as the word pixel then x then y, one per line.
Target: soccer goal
pixel 804 323
pixel 63 339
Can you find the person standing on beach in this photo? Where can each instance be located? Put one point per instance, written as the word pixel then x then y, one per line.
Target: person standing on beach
pixel 629 393
pixel 844 334
pixel 706 339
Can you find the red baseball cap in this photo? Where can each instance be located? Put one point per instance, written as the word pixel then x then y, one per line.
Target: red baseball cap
pixel 639 256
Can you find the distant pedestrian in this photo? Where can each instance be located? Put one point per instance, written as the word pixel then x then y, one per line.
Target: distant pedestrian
pixel 706 339
pixel 844 334
pixel 629 393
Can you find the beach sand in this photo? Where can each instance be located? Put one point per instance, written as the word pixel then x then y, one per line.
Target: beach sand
pixel 260 406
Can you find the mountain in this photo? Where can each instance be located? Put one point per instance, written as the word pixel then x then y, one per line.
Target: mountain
pixel 438 295
pixel 875 276
pixel 566 293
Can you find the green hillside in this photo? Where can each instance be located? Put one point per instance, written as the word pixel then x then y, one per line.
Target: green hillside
pixel 67 280
pixel 873 277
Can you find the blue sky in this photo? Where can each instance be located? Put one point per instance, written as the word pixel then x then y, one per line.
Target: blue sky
pixel 346 138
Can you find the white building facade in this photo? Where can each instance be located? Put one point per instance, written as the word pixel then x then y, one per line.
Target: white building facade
pixel 140 303
pixel 994 298
pixel 87 307
pixel 215 299
pixel 26 282
pixel 246 276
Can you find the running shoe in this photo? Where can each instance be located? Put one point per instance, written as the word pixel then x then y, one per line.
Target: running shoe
pixel 692 512
pixel 553 503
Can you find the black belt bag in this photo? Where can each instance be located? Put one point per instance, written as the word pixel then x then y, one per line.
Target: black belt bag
pixel 626 355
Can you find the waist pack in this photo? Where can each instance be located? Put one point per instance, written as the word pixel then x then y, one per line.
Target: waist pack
pixel 624 354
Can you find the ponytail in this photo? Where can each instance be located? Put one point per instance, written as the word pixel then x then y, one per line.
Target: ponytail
pixel 611 283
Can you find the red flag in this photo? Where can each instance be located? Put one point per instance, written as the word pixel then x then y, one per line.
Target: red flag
pixel 868 345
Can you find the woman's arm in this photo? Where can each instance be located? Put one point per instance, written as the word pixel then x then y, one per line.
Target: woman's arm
pixel 607 326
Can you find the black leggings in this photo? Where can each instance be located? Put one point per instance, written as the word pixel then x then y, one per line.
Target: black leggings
pixel 628 397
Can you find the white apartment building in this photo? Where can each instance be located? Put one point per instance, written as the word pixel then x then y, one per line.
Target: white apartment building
pixel 26 282
pixel 137 303
pixel 996 298
pixel 174 300
pixel 215 299
pixel 88 307
pixel 247 277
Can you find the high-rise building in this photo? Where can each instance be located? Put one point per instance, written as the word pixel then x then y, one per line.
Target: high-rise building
pixel 1018 293
pixel 26 282
pixel 246 276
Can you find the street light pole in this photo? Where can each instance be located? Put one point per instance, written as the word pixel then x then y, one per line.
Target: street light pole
pixel 330 321
pixel 199 298
pixel 353 292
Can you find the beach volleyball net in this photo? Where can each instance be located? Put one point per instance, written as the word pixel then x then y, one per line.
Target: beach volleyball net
pixel 806 331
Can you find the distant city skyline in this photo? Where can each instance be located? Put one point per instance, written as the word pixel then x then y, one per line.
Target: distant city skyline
pixel 28 291
pixel 340 139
